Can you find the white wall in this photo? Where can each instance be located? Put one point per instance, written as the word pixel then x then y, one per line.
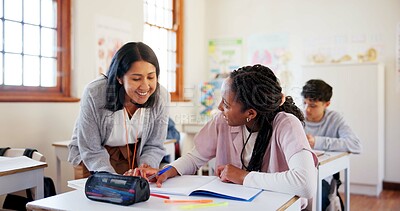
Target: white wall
pixel 303 19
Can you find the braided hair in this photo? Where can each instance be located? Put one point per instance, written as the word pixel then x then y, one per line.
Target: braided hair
pixel 256 87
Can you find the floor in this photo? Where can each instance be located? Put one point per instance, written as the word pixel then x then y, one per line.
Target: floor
pixel 387 200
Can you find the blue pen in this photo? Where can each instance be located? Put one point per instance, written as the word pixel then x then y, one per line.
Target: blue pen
pixel 162 171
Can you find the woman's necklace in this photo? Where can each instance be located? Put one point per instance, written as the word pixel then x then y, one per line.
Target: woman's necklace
pixel 244 129
pixel 129 113
pixel 127 137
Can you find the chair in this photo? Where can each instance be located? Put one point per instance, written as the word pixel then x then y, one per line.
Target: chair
pixel 15 152
pixel 20 196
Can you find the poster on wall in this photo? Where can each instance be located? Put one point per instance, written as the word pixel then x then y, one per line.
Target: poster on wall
pixel 343 48
pixel 110 35
pixel 272 51
pixel 224 55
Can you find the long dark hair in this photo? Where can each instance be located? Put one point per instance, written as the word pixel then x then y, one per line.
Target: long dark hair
pixel 257 87
pixel 120 64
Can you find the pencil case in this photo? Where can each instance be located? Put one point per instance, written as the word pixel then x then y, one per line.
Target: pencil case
pixel 116 189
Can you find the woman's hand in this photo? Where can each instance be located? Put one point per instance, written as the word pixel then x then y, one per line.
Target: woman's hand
pixel 231 173
pixel 131 172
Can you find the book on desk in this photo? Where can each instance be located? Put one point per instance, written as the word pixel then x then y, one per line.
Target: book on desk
pixel 194 185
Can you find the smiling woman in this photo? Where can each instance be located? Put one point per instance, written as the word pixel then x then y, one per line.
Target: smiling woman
pixel 139 83
pixel 123 119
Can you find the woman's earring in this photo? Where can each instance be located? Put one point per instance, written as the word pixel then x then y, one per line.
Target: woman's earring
pixel 248 119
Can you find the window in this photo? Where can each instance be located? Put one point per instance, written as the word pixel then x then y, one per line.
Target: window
pixel 35 50
pixel 163 32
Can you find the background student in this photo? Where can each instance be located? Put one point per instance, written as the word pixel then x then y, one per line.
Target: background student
pixel 326 129
pixel 257 139
pixel 123 118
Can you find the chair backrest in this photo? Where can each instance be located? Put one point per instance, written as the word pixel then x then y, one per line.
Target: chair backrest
pixel 15 152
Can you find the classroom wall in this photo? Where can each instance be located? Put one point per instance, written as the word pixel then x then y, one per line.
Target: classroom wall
pixel 38 125
pixel 305 19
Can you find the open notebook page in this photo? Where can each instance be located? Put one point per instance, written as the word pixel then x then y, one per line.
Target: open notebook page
pixel 205 185
pixel 181 185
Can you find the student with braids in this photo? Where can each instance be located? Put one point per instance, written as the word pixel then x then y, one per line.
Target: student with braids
pixel 257 139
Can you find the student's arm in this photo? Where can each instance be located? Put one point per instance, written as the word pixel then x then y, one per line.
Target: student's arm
pixel 189 163
pixel 297 172
pixel 346 139
pixel 300 179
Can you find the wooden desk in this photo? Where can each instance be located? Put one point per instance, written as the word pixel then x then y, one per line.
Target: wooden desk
pixel 329 164
pixel 61 150
pixel 265 201
pixel 20 173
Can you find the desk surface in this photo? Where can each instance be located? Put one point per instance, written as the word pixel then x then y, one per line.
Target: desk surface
pixel 62 143
pixel 19 173
pixel 76 200
pixel 66 143
pixel 12 165
pixel 330 156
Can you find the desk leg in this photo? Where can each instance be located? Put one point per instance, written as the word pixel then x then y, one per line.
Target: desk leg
pixel 58 166
pixel 319 193
pixel 38 191
pixel 347 188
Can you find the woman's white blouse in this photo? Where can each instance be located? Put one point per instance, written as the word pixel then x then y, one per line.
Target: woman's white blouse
pixel 134 126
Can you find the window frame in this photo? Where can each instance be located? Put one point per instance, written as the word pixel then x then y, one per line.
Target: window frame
pixel 178 95
pixel 177 25
pixel 62 92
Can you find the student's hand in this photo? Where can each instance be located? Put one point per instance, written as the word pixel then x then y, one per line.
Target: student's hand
pixel 311 140
pixel 168 174
pixel 231 173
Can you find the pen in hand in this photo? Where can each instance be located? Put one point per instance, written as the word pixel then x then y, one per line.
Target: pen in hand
pixel 162 171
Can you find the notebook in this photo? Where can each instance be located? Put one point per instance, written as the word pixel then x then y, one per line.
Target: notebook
pixel 193 185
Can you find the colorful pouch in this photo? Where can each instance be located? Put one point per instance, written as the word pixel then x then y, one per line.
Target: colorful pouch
pixel 117 189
